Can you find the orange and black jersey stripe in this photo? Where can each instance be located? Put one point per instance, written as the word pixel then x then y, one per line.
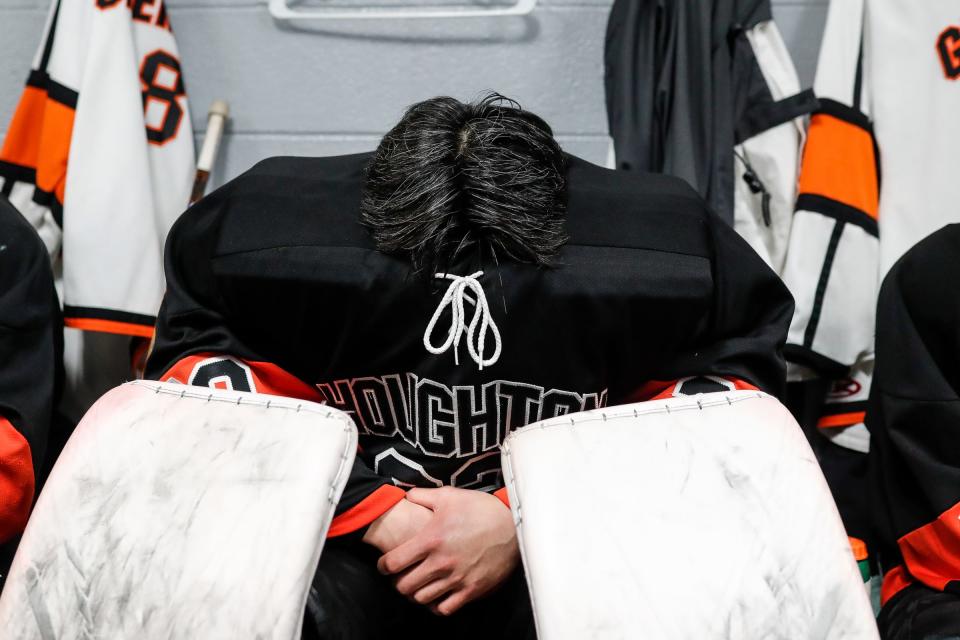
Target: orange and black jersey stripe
pixel 37 144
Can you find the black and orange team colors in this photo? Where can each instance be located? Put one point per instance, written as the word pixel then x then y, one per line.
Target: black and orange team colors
pixel 914 422
pixel 31 344
pixel 274 286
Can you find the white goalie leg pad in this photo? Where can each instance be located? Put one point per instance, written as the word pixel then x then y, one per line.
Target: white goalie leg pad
pixel 181 512
pixel 694 517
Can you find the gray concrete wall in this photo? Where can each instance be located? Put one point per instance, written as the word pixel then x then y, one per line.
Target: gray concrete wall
pixel 329 88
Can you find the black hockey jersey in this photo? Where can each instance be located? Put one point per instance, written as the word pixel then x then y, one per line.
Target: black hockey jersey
pixel 274 286
pixel 31 344
pixel 914 423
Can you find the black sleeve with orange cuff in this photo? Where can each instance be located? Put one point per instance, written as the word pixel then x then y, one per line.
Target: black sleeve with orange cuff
pixel 739 340
pixel 196 343
pixel 743 339
pixel 367 496
pixel 31 343
pixel 914 422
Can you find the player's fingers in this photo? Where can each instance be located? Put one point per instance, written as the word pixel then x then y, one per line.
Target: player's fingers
pixel 433 591
pixel 405 555
pixel 428 498
pixel 421 575
pixel 451 603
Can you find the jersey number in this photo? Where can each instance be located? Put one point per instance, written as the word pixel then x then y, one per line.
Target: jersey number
pixel 482 472
pixel 222 373
pixel 162 85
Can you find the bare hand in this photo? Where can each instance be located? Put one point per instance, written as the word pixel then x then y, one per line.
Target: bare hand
pixel 467 549
pixel 397 525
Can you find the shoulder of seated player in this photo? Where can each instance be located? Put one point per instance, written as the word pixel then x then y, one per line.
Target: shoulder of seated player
pixel 292 201
pixel 26 276
pixel 634 210
pixel 288 202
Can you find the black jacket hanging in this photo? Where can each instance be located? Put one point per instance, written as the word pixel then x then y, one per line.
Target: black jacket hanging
pixel 686 85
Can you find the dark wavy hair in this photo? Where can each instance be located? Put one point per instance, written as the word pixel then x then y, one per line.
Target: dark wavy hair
pixel 452 176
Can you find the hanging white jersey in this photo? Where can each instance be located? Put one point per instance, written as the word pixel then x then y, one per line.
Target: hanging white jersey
pixel 99 156
pixel 878 174
pixel 767 149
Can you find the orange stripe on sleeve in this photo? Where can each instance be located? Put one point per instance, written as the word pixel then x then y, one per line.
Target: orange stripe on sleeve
pixel 267 378
pixel 652 390
pixel 366 511
pixel 894 581
pixel 55 147
pixel 839 163
pixel 932 552
pixel 16 481
pixel 22 143
pixel 840 420
pixel 743 385
pixel 109 326
pixel 666 393
pixel 503 496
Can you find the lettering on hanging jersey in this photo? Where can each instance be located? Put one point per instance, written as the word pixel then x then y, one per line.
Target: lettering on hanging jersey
pixel 105 88
pixel 145 11
pixel 948 47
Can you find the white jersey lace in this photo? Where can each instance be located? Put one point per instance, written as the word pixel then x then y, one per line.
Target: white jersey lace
pixel 479 324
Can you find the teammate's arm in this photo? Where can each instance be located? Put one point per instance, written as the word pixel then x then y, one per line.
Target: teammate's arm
pixel 30 340
pixel 739 342
pixel 198 342
pixel 914 423
pixel 16 480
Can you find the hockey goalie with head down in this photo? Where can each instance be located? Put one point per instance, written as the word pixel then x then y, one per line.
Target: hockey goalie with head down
pixel 464 280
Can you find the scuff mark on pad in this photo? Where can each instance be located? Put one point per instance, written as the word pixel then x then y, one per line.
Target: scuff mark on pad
pixel 37 604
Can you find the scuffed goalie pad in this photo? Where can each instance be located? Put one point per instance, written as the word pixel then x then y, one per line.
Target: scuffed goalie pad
pixel 694 517
pixel 180 512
